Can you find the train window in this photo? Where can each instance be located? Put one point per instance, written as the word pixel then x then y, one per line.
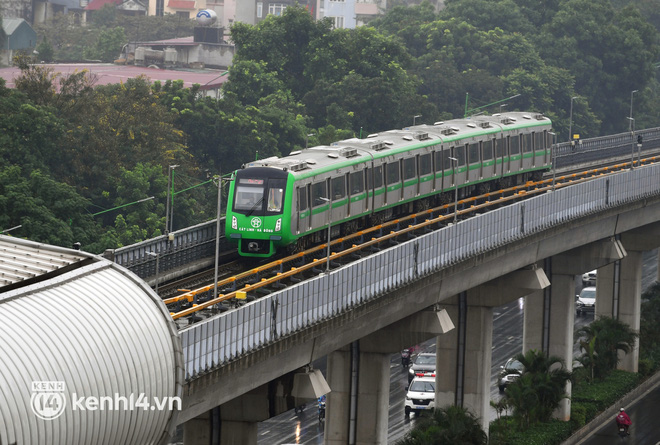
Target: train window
pixel 425 165
pixel 538 141
pixel 338 188
pixel 488 149
pixel 378 177
pixel 392 173
pixel 500 147
pixel 275 200
pixel 302 198
pixel 357 182
pixel 548 137
pixel 319 190
pixel 446 162
pixel 409 168
pixel 514 145
pixel 473 153
pixel 248 198
pixel 459 153
pixel 526 140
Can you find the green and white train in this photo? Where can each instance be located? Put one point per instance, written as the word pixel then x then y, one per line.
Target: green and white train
pixel 289 202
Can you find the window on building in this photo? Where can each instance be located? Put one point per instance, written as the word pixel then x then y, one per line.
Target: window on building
pixel 183 14
pixel 160 7
pixel 337 22
pixel 276 8
pixel 260 9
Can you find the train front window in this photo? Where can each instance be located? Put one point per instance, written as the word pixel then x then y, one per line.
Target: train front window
pixel 275 200
pixel 248 197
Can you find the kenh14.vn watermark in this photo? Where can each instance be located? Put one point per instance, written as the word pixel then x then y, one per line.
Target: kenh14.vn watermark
pixel 49 398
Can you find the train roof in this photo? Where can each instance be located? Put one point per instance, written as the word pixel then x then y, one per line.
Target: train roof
pixel 314 160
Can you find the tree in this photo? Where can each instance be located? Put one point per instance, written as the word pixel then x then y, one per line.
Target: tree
pixel 49 211
pixel 108 45
pixel 45 50
pixel 540 388
pixel 601 342
pixel 448 426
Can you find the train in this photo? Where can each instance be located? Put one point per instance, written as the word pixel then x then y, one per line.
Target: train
pixel 289 203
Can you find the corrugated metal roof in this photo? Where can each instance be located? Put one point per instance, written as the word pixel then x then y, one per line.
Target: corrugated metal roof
pixel 90 329
pixel 21 261
pixel 10 25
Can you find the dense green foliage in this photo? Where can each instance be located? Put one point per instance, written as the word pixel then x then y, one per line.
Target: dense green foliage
pixel 298 82
pixel 600 343
pixel 451 425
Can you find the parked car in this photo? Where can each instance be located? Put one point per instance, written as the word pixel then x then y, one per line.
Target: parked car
pixel 423 366
pixel 420 396
pixel 585 301
pixel 589 278
pixel 511 370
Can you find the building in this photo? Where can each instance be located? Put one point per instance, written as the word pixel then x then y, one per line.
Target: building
pixel 19 35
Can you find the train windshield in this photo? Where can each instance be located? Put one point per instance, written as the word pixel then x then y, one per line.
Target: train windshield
pixel 249 194
pixel 259 196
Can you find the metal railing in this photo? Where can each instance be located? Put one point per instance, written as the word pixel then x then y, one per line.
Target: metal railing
pixel 196 242
pixel 219 339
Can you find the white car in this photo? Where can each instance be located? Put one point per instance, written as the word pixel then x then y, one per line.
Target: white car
pixel 586 301
pixel 589 278
pixel 420 396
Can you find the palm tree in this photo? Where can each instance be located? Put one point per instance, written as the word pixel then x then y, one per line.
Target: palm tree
pixel 601 342
pixel 539 390
pixel 451 425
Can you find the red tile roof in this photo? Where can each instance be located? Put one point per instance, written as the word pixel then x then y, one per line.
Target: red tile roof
pixel 181 4
pixel 95 5
pixel 106 73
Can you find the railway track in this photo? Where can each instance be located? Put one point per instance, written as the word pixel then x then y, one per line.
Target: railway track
pixel 254 281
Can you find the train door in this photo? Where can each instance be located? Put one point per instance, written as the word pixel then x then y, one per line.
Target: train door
pixel 392 182
pixel 502 158
pixel 376 187
pixel 488 163
pixel 425 169
pixel 527 150
pixel 461 173
pixel 357 201
pixel 474 162
pixel 410 181
pixel 320 207
pixel 515 156
pixel 304 209
pixel 339 198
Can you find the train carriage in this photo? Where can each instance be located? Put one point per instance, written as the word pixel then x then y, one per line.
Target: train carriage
pixel 289 202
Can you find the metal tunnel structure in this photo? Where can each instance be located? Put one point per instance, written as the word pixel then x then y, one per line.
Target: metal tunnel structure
pixel 90 354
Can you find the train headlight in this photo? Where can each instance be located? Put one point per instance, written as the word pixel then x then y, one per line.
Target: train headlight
pixel 234 223
pixel 278 225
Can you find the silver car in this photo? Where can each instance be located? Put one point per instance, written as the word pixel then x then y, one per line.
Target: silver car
pixel 511 370
pixel 586 301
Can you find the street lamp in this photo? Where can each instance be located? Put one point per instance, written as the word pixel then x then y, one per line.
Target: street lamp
pixel 157 255
pixel 415 118
pixel 502 106
pixel 570 125
pixel 554 157
pixel 455 162
pixel 632 138
pixel 170 190
pixel 217 237
pixel 630 127
pixel 329 201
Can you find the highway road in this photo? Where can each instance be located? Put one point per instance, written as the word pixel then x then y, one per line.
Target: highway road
pixel 304 428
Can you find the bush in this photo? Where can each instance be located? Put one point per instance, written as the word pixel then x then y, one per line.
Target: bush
pixel 645 367
pixel 578 415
